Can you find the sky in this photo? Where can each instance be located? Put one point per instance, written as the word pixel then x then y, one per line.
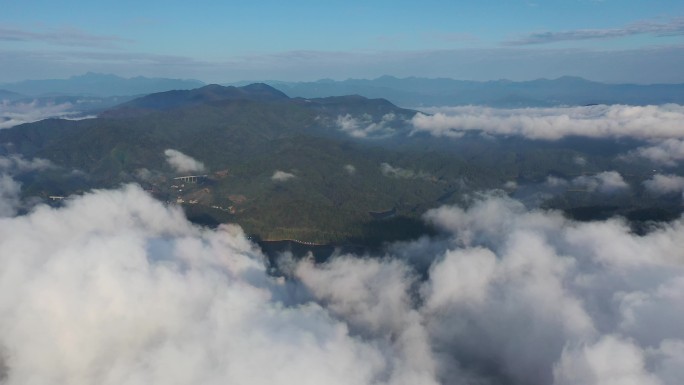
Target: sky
pixel 639 41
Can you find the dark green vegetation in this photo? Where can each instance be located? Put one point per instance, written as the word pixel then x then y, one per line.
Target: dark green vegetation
pixel 341 190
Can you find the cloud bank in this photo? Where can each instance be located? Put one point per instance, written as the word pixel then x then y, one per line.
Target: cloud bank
pixel 183 163
pixel 115 287
pixel 602 121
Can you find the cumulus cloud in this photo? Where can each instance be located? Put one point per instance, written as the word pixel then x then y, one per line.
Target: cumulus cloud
pixel 665 184
pixel 364 126
pixel 282 176
pixel 667 152
pixel 183 163
pixel 15 113
pixel 543 299
pixel 603 121
pixel 604 182
pixel 116 287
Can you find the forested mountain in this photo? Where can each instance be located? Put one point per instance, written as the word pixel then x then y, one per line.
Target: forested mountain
pixel 343 169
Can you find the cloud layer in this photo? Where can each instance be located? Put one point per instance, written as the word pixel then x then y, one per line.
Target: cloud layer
pixel 183 163
pixel 614 121
pixel 117 288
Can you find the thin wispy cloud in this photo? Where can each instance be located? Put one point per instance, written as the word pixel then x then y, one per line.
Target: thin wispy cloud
pixel 674 27
pixel 365 127
pixel 66 36
pixel 15 113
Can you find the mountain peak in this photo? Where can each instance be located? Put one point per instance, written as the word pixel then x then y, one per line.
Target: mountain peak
pixel 207 94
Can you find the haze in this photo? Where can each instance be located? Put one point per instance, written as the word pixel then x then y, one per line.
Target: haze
pixel 635 41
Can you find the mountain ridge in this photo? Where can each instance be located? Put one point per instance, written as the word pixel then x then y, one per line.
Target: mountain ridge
pixel 416 92
pixel 98 84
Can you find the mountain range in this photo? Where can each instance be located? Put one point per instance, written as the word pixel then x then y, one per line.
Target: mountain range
pixel 96 84
pixel 338 169
pixel 418 92
pixel 408 92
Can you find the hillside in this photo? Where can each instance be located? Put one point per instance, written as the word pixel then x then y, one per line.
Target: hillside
pixel 343 170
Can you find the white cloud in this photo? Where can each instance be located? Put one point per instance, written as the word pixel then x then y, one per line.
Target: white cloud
pixel 10 190
pixel 580 160
pixel 15 113
pixel 282 176
pixel 548 300
pixel 117 288
pixel 667 152
pixel 364 127
pixel 183 163
pixel 643 122
pixel 17 164
pixel 604 182
pixel 665 184
pixel 9 196
pixel 610 360
pixel 553 181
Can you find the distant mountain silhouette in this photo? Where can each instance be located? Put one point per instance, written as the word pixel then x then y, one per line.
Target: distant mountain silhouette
pixel 9 95
pixel 187 98
pixel 416 92
pixel 99 85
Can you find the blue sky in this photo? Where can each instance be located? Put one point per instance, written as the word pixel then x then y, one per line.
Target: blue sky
pixel 219 41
